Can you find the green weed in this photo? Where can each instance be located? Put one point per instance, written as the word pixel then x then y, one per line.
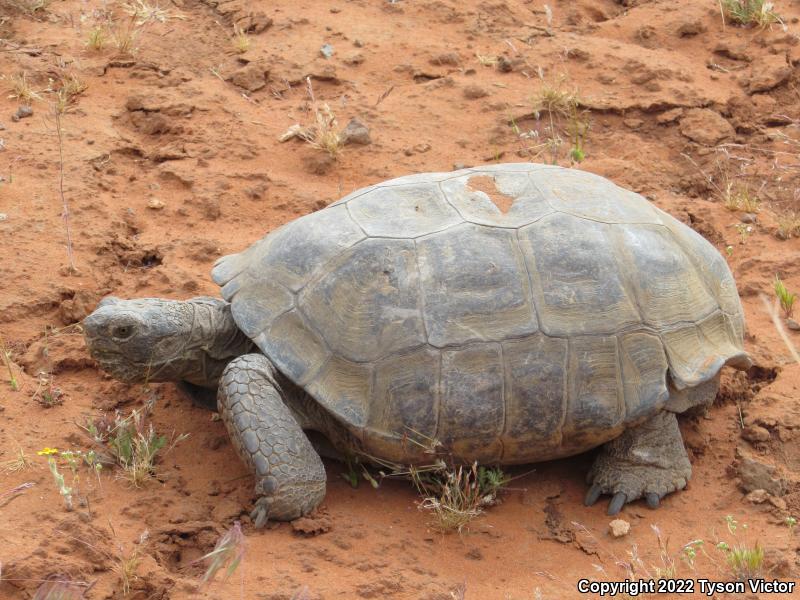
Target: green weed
pixel 744 560
pixel 785 297
pixel 97 39
pixel 63 489
pixel 757 13
pixel 133 444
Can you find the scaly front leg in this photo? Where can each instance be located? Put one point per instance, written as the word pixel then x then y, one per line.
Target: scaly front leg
pixel 289 473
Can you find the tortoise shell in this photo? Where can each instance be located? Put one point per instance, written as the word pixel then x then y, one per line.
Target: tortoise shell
pixel 417 308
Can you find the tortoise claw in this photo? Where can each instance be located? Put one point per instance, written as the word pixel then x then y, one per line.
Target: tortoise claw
pixel 592 495
pixel 653 500
pixel 616 504
pixel 260 514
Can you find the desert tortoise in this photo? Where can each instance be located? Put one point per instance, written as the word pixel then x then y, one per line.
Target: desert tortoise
pixel 418 309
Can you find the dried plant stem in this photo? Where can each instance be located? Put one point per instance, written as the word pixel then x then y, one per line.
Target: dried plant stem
pixel 65 206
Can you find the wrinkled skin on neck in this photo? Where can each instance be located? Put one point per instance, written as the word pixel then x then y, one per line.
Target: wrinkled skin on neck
pixel 151 339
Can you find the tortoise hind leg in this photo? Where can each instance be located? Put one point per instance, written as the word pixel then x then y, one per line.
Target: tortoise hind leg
pixel 647 461
pixel 289 473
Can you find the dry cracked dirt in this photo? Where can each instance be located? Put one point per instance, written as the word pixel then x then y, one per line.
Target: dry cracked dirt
pixel 161 133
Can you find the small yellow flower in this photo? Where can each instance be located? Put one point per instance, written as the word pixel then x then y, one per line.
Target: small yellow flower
pixel 47 451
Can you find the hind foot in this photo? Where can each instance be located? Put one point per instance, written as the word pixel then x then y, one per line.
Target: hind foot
pixel 648 461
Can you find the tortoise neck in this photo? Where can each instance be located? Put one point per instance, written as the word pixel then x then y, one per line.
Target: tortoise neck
pixel 214 341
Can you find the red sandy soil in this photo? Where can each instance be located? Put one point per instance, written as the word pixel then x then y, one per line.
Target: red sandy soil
pixel 171 158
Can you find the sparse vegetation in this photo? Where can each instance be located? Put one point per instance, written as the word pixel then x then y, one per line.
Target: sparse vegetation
pixel 22 90
pixel 126 32
pixel 785 297
pixel 20 462
pixel 63 489
pixel 788 225
pixel 738 196
pixel 133 444
pixel 96 39
pixel 323 134
pixel 559 109
pixel 241 41
pixel 744 560
pixel 227 555
pixel 5 355
pixel 757 13
pixel 66 89
pixel 46 393
pixel 744 231
pixel 456 496
pixel 127 563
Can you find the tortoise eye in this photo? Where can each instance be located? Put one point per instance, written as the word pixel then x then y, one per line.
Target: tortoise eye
pixel 122 332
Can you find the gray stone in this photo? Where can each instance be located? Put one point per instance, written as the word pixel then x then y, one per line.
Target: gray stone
pixel 356 132
pixel 23 112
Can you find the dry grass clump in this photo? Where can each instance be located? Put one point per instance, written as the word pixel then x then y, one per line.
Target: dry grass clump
pixel 66 88
pixel 457 495
pixel 323 134
pixel 241 41
pixel 22 90
pixel 555 99
pixel 560 110
pixel 756 13
pixel 127 563
pixel 737 196
pixel 788 225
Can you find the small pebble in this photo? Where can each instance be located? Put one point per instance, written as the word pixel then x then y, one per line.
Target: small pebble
pixel 748 218
pixel 22 113
pixel 326 50
pixel 356 132
pixel 619 528
pixel 155 204
pixel 3 217
pixel 793 325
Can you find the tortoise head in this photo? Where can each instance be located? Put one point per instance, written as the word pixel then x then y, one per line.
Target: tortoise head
pixel 147 339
